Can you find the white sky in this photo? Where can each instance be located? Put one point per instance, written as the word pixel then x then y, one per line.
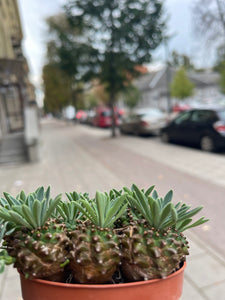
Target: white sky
pixel 33 15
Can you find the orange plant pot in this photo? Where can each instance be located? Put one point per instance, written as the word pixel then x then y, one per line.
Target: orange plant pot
pixel 156 289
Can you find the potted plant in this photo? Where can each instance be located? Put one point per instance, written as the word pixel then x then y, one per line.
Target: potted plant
pixel 122 244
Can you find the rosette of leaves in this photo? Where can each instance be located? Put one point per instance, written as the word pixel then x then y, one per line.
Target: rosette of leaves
pixel 38 244
pixel 95 254
pixel 153 245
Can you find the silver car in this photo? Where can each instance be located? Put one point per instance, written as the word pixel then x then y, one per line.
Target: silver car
pixel 147 121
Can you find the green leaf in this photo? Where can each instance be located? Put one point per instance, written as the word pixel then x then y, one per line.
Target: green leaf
pixel 118 193
pixel 197 223
pixel 4 214
pixel 65 207
pixel 114 209
pixel 190 214
pixel 2 266
pixel 142 199
pixel 22 196
pixel 11 200
pixel 40 193
pixel 28 216
pixel 101 202
pixel 19 220
pixel 3 202
pixel 3 229
pixel 91 212
pixel 128 191
pixel 182 224
pixel 168 198
pixel 52 205
pixel 47 194
pixel 91 217
pixel 149 190
pixel 135 204
pixel 37 208
pixel 18 209
pixel 174 215
pixel 69 196
pixel 165 213
pixel 155 195
pixel 30 201
pixel 156 214
pixel 117 216
pixel 61 212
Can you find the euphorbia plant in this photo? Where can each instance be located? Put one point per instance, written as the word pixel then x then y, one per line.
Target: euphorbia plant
pixel 131 232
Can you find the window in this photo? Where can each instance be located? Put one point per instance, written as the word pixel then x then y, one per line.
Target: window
pixel 183 118
pixel 203 116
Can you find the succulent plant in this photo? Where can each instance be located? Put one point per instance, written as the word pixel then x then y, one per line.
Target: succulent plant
pixel 37 243
pixel 132 233
pixel 153 245
pixel 95 254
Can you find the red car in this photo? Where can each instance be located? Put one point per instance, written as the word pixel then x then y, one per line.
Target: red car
pixel 103 117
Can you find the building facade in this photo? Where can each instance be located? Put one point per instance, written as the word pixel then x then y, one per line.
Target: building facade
pixel 15 88
pixel 155 88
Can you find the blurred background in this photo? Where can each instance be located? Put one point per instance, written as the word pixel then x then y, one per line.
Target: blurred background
pixel 101 94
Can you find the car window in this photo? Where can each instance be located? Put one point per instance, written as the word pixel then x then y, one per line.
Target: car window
pixel 203 116
pixel 183 117
pixel 106 113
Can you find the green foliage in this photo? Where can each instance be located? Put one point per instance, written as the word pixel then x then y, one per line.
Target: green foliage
pixel 160 212
pixel 31 211
pixel 5 259
pixel 131 96
pixel 103 211
pixel 120 36
pixel 57 89
pixel 181 60
pixel 181 87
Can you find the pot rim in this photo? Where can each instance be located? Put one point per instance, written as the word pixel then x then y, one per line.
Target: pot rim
pixel 105 286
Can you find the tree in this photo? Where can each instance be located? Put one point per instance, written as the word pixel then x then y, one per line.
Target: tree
pixel 120 35
pixel 131 96
pixel 181 87
pixel 209 17
pixel 220 59
pixel 181 60
pixel 64 50
pixel 57 89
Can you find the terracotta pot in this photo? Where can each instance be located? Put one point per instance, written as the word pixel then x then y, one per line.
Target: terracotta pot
pixel 156 289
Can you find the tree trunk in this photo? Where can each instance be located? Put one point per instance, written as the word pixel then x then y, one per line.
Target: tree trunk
pixel 113 126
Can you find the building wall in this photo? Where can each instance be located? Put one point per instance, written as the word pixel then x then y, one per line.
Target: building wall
pixel 14 69
pixel 10 30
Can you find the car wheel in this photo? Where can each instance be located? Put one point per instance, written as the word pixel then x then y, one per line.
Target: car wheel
pixel 207 144
pixel 165 137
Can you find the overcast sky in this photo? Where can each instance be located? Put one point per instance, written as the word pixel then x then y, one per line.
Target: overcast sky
pixel 33 15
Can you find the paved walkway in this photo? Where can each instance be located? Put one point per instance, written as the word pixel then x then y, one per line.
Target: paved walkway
pixel 74 159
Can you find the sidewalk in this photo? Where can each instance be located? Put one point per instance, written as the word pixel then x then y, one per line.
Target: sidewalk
pixel 67 164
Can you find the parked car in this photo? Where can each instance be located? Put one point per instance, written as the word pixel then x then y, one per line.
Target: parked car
pixel 202 127
pixel 81 116
pixel 143 122
pixel 103 117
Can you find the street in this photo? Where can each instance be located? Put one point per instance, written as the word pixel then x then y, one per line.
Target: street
pixel 86 159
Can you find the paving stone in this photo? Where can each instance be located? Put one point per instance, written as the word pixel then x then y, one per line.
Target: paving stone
pixel 216 291
pixel 190 292
pixel 204 270
pixel 11 289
